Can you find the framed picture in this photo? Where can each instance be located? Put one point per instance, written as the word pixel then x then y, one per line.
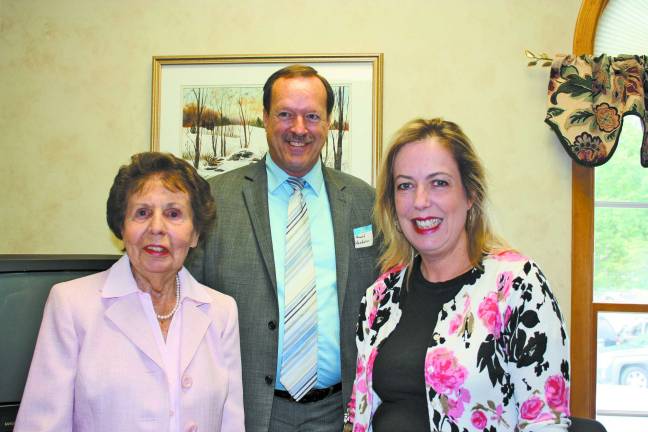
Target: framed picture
pixel 209 110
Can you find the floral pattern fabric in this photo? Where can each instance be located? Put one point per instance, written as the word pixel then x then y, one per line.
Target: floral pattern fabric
pixel 498 357
pixel 588 98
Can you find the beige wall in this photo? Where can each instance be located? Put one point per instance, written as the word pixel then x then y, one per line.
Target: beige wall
pixel 75 80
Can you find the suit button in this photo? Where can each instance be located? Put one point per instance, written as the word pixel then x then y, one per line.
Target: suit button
pixel 272 325
pixel 268 379
pixel 187 382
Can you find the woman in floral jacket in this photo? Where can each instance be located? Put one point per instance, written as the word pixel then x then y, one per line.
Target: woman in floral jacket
pixel 459 333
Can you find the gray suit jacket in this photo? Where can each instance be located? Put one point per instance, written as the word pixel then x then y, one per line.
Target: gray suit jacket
pixel 236 258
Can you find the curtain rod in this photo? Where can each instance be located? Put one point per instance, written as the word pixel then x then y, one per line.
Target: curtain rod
pixel 541 59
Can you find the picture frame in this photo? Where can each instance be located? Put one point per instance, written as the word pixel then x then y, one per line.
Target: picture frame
pixel 217 101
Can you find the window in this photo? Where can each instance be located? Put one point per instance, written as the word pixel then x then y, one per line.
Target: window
pixel 610 248
pixel 620 280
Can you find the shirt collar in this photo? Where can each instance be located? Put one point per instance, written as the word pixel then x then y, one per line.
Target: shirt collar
pixel 277 177
pixel 121 282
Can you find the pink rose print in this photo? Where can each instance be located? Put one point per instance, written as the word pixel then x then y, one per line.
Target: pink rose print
pixel 479 419
pixel 466 304
pixel 372 316
pixel 361 382
pixel 504 283
pixel 531 408
pixel 498 414
pixel 507 315
pixel 557 394
pixel 456 406
pixel 488 312
pixel 379 291
pixel 457 321
pixel 377 296
pixel 359 428
pixel 545 416
pixel 351 404
pixel 509 255
pixel 443 372
pixel 359 367
pixel 379 288
pixel 370 364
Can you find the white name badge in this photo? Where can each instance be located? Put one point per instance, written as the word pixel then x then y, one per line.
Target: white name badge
pixel 363 236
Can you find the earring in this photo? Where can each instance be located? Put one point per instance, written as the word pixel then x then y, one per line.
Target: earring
pixel 469 217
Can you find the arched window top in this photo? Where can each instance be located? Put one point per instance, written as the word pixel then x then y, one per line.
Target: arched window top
pixel 633 39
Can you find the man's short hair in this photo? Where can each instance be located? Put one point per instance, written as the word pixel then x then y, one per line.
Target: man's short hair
pixel 297 71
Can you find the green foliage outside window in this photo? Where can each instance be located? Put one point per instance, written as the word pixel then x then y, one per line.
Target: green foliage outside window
pixel 621 234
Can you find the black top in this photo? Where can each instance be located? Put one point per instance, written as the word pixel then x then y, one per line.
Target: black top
pixel 398 374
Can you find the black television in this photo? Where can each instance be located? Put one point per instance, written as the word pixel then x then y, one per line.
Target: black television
pixel 25 282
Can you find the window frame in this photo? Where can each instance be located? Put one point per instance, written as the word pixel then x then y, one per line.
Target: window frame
pixel 583 309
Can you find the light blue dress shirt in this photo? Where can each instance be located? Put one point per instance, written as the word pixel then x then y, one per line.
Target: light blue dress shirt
pixel 321 227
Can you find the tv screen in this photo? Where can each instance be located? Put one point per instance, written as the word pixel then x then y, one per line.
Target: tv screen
pixel 25 282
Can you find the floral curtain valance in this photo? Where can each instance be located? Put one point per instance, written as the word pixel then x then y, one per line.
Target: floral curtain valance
pixel 588 99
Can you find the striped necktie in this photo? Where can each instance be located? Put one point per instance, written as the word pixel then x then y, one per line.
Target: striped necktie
pixel 299 357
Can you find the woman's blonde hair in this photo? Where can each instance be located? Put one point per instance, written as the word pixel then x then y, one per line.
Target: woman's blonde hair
pixel 481 239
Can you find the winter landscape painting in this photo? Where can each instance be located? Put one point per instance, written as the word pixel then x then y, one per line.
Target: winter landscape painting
pixel 209 110
pixel 222 128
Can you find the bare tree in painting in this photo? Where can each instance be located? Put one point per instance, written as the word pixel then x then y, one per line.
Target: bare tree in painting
pixel 201 95
pixel 223 126
pixel 209 122
pixel 245 122
pixel 339 127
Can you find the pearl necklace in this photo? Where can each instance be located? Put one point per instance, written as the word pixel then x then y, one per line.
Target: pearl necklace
pixel 177 303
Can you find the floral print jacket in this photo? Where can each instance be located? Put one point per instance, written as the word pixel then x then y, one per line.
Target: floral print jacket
pixel 498 360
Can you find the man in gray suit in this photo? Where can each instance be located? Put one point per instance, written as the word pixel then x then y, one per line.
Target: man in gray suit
pixel 245 256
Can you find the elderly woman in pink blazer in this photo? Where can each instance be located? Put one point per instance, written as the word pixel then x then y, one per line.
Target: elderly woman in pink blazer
pixel 142 346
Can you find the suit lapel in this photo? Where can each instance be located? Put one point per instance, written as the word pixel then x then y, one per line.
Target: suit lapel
pixel 340 213
pixel 127 314
pixel 255 195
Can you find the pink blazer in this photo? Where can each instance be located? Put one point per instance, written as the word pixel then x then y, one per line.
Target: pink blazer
pixel 97 367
